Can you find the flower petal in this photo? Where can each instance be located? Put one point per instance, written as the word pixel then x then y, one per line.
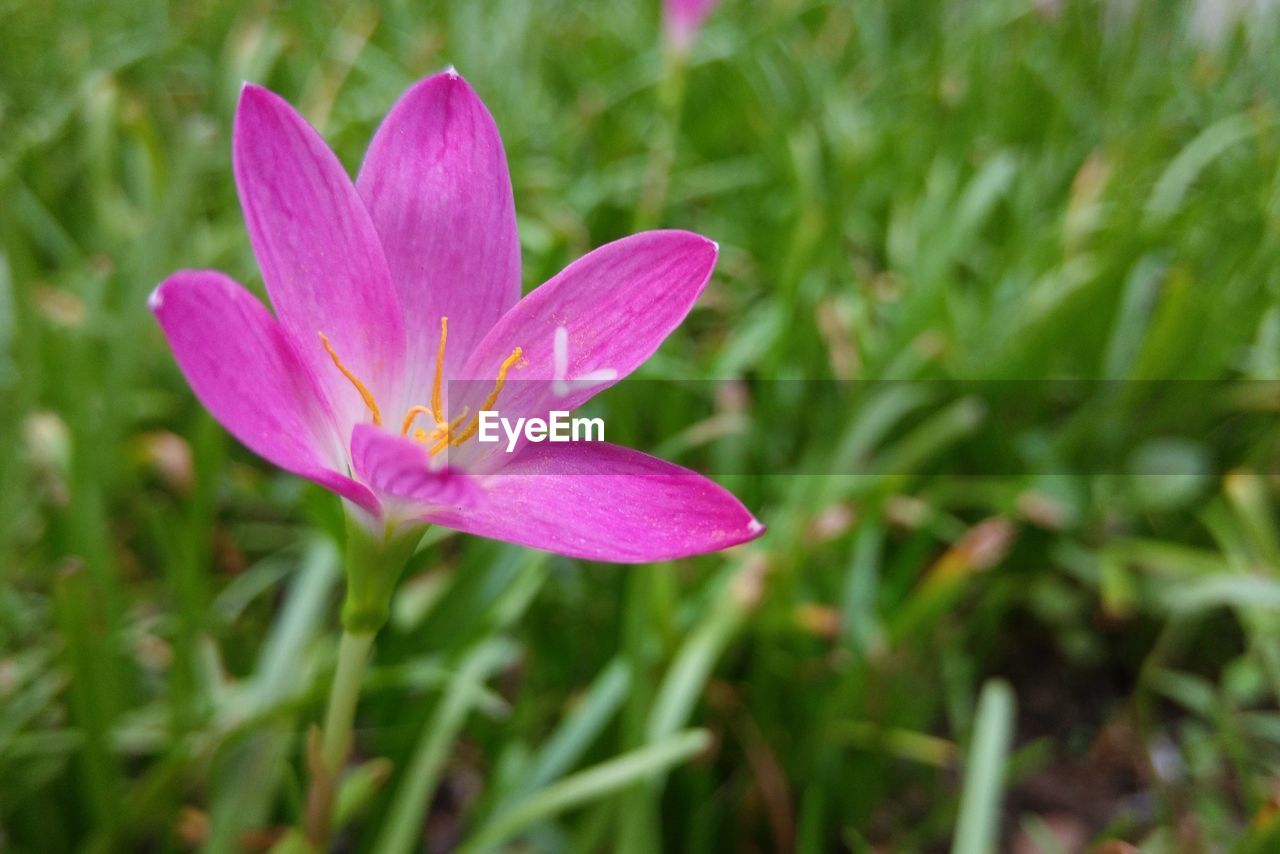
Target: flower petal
pixel 683 18
pixel 400 469
pixel 599 501
pixel 588 327
pixel 436 184
pixel 245 371
pixel 319 253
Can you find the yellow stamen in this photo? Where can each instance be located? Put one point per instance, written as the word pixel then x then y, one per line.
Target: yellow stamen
pixel 445 432
pixel 437 406
pixel 413 412
pixel 360 387
pixel 491 399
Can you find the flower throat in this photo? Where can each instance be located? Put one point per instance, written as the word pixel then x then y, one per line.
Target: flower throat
pixel 444 434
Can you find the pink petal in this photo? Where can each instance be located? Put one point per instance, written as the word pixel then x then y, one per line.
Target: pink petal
pixel 245 371
pixel 398 468
pixel 435 182
pixel 604 502
pixel 319 254
pixel 615 305
pixel 683 18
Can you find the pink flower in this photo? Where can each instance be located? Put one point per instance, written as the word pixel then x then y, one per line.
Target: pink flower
pixel 388 289
pixel 682 19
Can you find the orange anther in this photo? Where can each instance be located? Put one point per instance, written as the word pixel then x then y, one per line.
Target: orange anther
pixel 492 398
pixel 413 412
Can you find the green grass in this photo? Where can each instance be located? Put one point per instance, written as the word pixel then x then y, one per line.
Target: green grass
pixel 901 191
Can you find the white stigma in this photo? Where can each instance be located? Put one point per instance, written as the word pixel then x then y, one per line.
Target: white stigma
pixel 561 385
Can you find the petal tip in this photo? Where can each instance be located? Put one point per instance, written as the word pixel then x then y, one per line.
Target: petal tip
pixel 697 242
pixel 252 102
pixel 155 301
pixel 452 78
pixel 708 251
pixel 250 91
pixel 255 101
pixel 427 94
pixel 755 527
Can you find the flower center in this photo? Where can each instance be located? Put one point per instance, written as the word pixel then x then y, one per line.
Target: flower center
pixel 444 434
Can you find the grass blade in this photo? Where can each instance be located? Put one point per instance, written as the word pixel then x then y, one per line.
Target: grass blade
pixel 984 773
pixel 414 793
pixel 586 786
pixel 567 744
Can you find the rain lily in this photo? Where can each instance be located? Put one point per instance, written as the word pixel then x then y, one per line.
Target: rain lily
pixel 398 318
pixel 683 18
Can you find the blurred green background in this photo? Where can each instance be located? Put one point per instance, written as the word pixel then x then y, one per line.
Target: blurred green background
pixel 901 190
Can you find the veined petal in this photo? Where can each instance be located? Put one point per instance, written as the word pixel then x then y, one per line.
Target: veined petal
pixel 588 327
pixel 396 468
pixel 599 501
pixel 319 253
pixel 436 185
pixel 245 371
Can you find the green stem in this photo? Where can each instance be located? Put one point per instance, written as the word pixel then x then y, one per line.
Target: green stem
pixel 327 755
pixel 353 655
pixel 375 559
